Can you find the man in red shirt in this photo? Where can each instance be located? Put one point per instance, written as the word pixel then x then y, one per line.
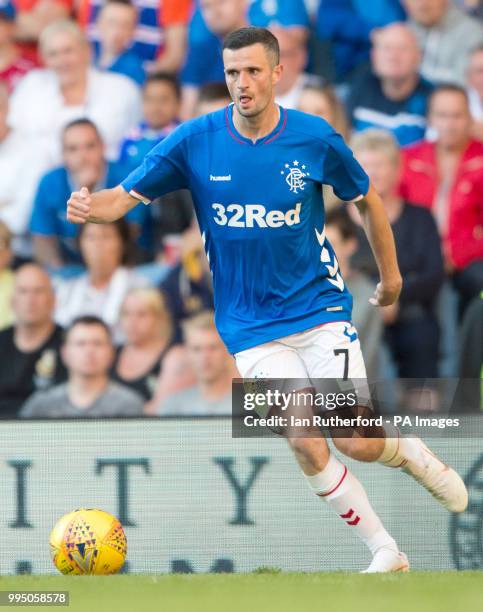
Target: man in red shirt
pixel 446 176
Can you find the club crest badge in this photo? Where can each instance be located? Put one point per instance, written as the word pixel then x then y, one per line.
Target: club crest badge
pixel 295 175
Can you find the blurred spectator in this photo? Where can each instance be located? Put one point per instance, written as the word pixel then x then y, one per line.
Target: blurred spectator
pixel 160 36
pixel 446 35
pixel 31 19
pixel 211 22
pixel 293 57
pixel 473 7
pixel 69 89
pixel 470 358
pixel 212 97
pixel 30 348
pixel 87 352
pixel 323 102
pixel 214 369
pixel 188 288
pixel 54 237
pixel 18 157
pixel 341 232
pixel 412 331
pixel 270 13
pixel 347 24
pixel 475 90
pixel 446 177
pixel 147 327
pixel 6 277
pixel 392 95
pixel 12 65
pixel 117 22
pixel 161 105
pixel 100 292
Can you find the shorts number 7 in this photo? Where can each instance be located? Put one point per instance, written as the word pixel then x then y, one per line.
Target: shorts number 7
pixel 344 352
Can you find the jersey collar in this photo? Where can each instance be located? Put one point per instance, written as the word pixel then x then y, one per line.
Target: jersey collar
pixel 235 134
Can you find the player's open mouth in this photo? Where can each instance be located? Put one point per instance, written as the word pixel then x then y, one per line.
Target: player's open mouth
pixel 245 99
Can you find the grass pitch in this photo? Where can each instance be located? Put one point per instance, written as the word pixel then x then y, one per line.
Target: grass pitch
pixel 263 592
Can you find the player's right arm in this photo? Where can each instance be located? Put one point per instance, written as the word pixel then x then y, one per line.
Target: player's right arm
pixel 101 207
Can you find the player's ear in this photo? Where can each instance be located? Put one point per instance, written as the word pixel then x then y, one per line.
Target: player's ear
pixel 277 74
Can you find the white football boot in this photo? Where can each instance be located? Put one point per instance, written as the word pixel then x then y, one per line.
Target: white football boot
pixel 387 560
pixel 444 484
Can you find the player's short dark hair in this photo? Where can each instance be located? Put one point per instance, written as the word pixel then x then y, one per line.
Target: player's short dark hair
pixel 448 88
pixel 339 218
pixel 84 122
pixel 210 92
pixel 246 37
pixel 165 77
pixel 89 320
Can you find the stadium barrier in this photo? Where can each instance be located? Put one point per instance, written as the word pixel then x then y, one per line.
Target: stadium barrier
pixel 192 499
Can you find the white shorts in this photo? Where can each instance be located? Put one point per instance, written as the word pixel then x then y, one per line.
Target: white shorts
pixel 331 350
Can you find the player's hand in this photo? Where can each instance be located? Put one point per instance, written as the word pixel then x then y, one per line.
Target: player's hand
pixel 386 294
pixel 79 206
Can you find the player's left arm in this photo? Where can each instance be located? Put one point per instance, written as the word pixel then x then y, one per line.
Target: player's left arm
pixel 379 233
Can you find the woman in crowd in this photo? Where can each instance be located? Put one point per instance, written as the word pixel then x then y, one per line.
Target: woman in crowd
pixel 106 252
pixel 148 330
pixel 323 102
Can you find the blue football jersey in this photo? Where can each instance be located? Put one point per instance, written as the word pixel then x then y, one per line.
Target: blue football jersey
pixel 261 214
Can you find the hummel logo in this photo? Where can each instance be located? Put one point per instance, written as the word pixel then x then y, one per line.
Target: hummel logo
pixel 348 515
pixel 220 178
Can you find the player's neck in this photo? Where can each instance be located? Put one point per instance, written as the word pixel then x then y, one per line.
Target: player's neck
pixel 259 126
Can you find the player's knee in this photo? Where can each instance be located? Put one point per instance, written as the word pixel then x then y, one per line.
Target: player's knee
pixel 361 449
pixel 311 453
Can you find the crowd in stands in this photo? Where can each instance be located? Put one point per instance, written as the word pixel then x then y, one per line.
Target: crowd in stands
pixel 117 320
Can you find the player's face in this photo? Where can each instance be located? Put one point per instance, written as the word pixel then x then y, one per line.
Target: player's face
pixel 251 78
pixel 383 171
pixel 66 55
pixel 140 323
pixel 316 103
pixel 160 104
pixel 88 351
pixel 450 117
pixel 83 154
pixel 33 298
pixel 101 248
pixel 117 23
pixel 207 354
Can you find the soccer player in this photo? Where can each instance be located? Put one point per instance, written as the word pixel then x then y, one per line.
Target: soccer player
pixel 282 308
